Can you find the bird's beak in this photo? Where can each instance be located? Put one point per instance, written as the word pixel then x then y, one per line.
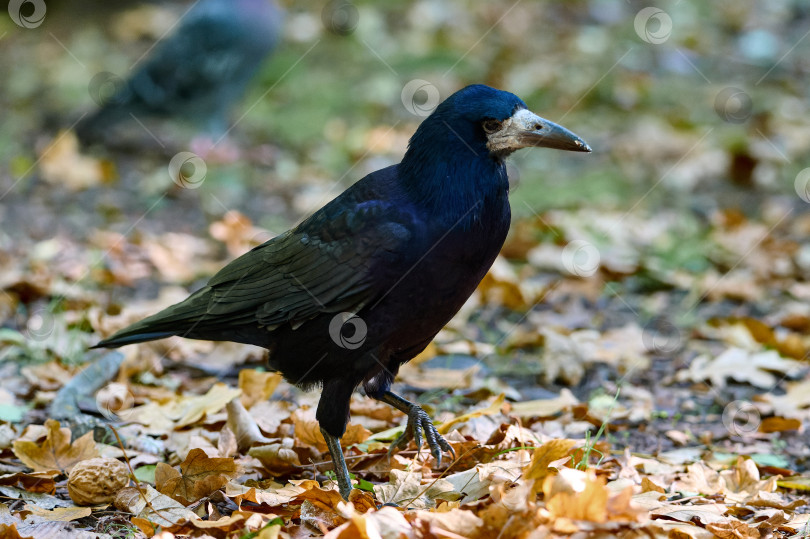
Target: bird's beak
pixel 526 129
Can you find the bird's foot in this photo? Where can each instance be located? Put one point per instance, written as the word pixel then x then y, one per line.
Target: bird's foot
pixel 418 421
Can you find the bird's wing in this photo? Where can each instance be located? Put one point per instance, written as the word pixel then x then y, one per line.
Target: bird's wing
pixel 324 265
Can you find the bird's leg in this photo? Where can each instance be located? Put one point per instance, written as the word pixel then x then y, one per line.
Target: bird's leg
pixel 418 421
pixel 339 463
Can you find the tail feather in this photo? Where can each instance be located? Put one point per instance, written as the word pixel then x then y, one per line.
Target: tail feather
pixel 179 319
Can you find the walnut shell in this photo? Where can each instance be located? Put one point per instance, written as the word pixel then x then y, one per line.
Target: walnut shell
pixel 97 481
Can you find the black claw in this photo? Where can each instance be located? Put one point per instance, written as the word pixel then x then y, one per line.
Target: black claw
pixel 419 421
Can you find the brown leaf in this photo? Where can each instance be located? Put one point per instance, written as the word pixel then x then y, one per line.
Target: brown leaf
pixel 56 452
pixel 733 529
pixel 9 531
pixel 779 424
pixel 318 515
pixel 32 482
pixel 278 458
pixel 199 476
pixel 257 386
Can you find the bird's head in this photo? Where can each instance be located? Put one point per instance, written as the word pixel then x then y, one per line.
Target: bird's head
pixel 494 122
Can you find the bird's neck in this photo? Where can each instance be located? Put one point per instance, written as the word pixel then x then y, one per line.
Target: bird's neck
pixel 458 186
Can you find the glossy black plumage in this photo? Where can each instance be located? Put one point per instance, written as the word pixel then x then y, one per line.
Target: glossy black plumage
pixel 402 249
pixel 197 72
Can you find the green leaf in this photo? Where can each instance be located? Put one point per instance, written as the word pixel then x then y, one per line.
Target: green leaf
pixel 146 473
pixel 12 413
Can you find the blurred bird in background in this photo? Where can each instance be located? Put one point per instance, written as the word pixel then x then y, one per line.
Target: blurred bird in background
pixel 364 284
pixel 194 74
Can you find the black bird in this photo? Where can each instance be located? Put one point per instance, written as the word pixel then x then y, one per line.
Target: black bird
pixel 365 283
pixel 196 73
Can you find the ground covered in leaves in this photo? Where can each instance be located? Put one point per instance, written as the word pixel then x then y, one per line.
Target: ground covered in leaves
pixel 635 364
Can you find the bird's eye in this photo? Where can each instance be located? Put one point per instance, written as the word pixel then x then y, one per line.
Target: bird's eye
pixel 490 126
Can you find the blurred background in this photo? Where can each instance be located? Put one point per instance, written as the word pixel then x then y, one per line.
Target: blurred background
pixel 691 207
pixel 685 103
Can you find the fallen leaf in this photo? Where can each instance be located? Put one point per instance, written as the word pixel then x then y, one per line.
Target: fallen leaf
pixel 59 514
pixel 32 482
pixel 308 431
pixel 545 407
pixel 181 411
pixel 493 408
pixel 238 233
pixel 56 452
pixel 151 505
pixel 741 365
pixel 544 456
pixel 387 523
pixel 405 489
pixel 278 458
pixel 257 386
pixel 244 428
pixel 199 476
pixel 576 495
pixel 61 163
pixel 476 482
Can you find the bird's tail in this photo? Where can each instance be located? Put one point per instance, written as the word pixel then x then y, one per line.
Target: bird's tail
pixel 179 319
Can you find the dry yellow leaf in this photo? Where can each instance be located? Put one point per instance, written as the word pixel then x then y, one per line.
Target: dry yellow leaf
pixel 308 431
pixel 181 411
pixel 58 514
pixel 257 386
pixel 576 495
pixel 61 163
pixel 56 452
pixel 543 456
